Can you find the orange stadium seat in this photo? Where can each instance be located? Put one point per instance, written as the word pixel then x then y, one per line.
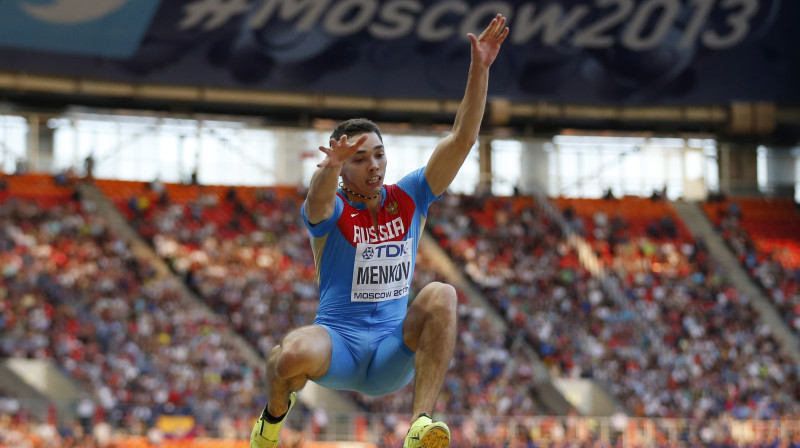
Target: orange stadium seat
pixel 40 187
pixel 638 212
pixel 773 224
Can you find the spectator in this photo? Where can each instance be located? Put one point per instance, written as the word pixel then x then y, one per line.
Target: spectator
pixel 88 166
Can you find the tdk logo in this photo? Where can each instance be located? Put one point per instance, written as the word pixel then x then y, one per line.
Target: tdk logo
pixel 385 251
pixel 112 28
pixel 392 250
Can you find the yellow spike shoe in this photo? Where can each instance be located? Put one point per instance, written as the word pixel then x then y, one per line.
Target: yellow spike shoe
pixel 426 433
pixel 266 434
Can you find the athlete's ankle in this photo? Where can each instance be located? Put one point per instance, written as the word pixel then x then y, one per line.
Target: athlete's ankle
pixel 270 417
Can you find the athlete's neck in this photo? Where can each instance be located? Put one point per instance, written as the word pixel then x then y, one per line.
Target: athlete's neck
pixel 366 198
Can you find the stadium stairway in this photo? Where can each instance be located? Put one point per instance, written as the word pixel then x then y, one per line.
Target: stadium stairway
pixel 312 394
pixel 699 224
pixel 589 261
pixel 38 385
pixel 550 397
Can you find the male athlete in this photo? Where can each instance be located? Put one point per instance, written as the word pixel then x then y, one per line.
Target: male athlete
pixel 364 237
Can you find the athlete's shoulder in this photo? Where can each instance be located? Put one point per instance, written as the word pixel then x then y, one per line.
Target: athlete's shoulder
pixel 415 184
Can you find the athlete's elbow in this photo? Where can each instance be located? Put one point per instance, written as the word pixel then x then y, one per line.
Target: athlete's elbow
pixel 465 140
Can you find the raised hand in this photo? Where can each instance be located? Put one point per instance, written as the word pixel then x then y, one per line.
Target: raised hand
pixel 340 151
pixel 486 46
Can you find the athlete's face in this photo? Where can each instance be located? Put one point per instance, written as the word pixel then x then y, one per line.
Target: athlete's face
pixel 363 172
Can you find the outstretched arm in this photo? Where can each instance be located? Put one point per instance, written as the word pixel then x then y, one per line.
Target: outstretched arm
pixel 322 191
pixel 451 152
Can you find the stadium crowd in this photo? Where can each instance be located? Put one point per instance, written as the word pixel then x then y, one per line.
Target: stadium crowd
pixel 665 334
pixel 677 341
pixel 776 274
pixel 260 279
pixel 72 292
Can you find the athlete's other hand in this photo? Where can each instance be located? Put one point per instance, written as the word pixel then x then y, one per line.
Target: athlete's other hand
pixel 486 46
pixel 340 151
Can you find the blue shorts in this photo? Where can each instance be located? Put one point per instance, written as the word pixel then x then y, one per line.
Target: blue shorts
pixel 369 362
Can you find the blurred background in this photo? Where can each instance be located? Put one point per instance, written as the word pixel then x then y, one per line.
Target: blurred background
pixel 624 237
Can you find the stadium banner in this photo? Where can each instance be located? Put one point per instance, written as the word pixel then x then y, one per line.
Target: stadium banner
pixel 605 52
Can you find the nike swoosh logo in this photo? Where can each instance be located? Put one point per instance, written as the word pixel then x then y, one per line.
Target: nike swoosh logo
pixel 353 215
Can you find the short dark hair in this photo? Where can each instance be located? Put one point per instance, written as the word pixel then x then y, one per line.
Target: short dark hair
pixel 356 126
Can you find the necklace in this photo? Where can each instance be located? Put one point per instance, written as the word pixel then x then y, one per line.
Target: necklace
pixel 369 198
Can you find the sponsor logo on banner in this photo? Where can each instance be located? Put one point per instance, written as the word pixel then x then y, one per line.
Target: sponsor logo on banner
pixel 615 52
pixel 382 271
pixel 112 28
pixel 635 24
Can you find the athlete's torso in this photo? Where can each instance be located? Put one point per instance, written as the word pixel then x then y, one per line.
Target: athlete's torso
pixel 364 271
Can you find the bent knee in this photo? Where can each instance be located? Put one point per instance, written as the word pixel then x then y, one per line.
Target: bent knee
pixel 302 354
pixel 294 361
pixel 439 299
pixel 289 362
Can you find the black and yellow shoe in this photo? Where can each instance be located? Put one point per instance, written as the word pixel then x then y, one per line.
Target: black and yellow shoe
pixel 266 434
pixel 426 433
